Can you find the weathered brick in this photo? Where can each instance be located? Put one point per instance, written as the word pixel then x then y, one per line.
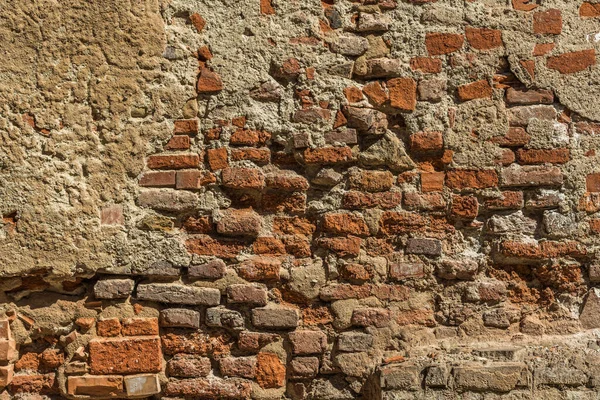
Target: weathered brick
pixel 194 179
pixel 98 386
pixel 515 137
pixel 547 22
pixel 328 155
pixel 464 207
pixel 188 366
pixel 173 161
pixel 438 43
pixel 306 342
pixel 428 65
pixel 108 327
pixel 39 384
pixel 259 268
pixel 169 201
pixel 500 377
pixel 270 371
pixel 532 175
pixel 178 142
pixel 370 181
pixel 303 368
pixel 476 90
pixel 243 178
pixel 403 93
pixel 522 115
pixel 179 318
pixel 432 90
pixel 354 341
pixel 139 326
pixel 401 270
pixel 378 317
pixel 341 246
pixel 209 388
pixel 483 39
pixel 254 294
pixel 198 22
pixel 424 201
pixel 247 137
pixel 570 63
pixel 542 156
pixel 213 269
pixel 471 179
pixel 141 385
pixel 244 367
pixel 173 293
pixel 254 341
pixel 217 158
pixel 209 82
pixel 432 181
pixel 425 142
pixel 593 182
pixel 158 179
pixel 358 200
pixel 185 126
pixel 589 10
pixel 340 224
pixel 516 96
pixel 272 317
pixel 375 93
pixel 113 288
pixel 239 223
pixel 507 200
pixel 125 355
pixel 428 247
pixel 286 181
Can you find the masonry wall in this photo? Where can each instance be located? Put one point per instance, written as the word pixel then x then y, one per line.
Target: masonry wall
pixel 302 199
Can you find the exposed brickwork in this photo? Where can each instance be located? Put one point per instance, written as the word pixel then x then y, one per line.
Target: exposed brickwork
pixel 366 199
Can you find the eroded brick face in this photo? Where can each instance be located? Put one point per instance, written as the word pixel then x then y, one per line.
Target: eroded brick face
pixel 305 200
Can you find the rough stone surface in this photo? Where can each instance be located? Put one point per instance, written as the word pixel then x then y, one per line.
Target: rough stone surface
pixel 306 200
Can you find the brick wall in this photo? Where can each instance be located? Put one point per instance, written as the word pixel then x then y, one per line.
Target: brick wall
pixel 376 199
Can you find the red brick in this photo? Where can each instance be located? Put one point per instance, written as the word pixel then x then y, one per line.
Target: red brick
pixel 541 250
pixel 427 65
pixel 438 43
pixel 403 93
pixel 204 53
pixel 432 181
pixel 289 69
pixel 529 96
pixel 293 225
pixel 542 156
pixel 268 245
pixel 515 137
pixel 424 201
pixel 532 175
pixel 173 161
pixel 209 388
pixel 194 179
pixel 426 142
pixel 547 22
pixel 243 178
pixel 587 128
pixel 328 155
pixel 217 158
pixel 178 142
pixel 356 273
pixel 270 371
pixel 266 8
pixel 297 245
pixel 483 39
pixel 346 291
pixel 595 225
pixel 353 94
pixel 345 224
pixel 375 93
pixel 405 270
pixel 97 386
pixel 287 181
pixel 209 82
pixel 276 201
pixel 476 90
pixel 188 366
pixel 471 179
pixel 589 10
pixel 185 126
pixel 247 137
pixel 506 201
pixel 108 327
pixel 158 179
pixel 125 355
pixel 341 246
pixel 244 222
pixel 529 67
pixel 260 268
pixel 240 122
pixel 28 362
pixel 244 367
pixel 464 207
pixel 207 246
pixel 541 49
pixel 140 326
pixel 257 156
pixel 569 63
pixel 201 224
pixel 593 182
pixel 198 22
pixel 370 181
pixel 254 341
pixel 43 384
pixel 524 5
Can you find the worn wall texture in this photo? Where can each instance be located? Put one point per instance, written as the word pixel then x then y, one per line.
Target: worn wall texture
pixel 300 199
